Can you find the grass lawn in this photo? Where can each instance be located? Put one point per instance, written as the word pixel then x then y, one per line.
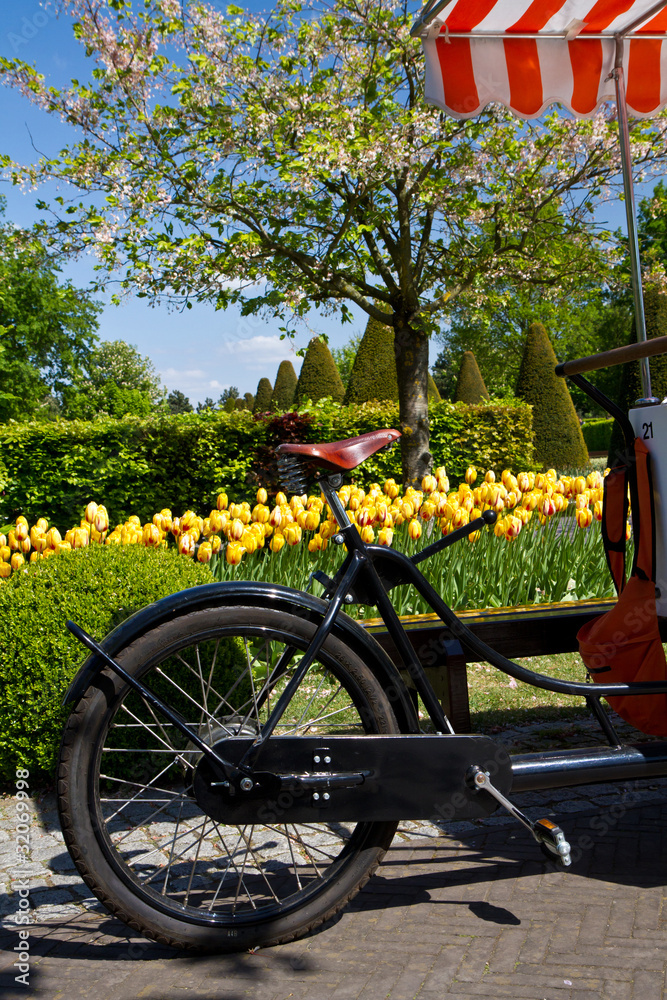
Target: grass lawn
pixel 499 700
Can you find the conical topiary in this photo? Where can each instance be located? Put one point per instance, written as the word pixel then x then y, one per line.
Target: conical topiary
pixel 263 396
pixel 470 386
pixel 556 429
pixel 230 405
pixel 319 376
pixel 249 401
pixel 373 374
pixel 433 391
pixel 630 389
pixel 285 388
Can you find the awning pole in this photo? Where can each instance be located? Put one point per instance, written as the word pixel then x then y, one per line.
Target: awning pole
pixel 630 211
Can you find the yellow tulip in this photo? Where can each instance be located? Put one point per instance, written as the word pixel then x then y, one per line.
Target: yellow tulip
pixel 41 524
pixel 328 528
pixel 597 510
pixel 385 536
pixel 391 489
pixel 186 544
pixel 215 521
pixel 222 501
pixel 367 534
pixel 584 517
pixel 473 536
pixel 151 535
pixel 17 561
pixel 249 542
pixel 3 541
pixel 234 553
pixel 277 541
pixel 216 544
pixel 236 529
pixel 261 513
pixel 579 484
pixel 53 538
pixel 80 538
pixel 292 534
pixel 5 570
pixel 317 543
pixel 262 495
pixel 101 520
pixel 471 475
pixel 414 530
pixel 91 511
pixel 547 507
pixel 204 552
pixel 512 527
pixel 5 553
pixel 21 530
pixel 427 510
pixel 311 520
pixel 276 517
pixel 490 476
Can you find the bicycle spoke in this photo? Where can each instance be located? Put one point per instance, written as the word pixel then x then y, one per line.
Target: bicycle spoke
pixel 172 848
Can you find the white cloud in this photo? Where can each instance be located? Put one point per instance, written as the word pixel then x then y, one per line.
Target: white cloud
pixel 259 353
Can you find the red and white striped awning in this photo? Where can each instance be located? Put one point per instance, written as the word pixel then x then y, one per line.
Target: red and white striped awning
pixel 528 54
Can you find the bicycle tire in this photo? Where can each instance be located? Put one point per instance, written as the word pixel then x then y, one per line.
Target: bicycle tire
pixel 125 842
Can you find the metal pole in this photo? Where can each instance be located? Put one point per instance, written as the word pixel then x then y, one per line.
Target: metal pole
pixel 633 243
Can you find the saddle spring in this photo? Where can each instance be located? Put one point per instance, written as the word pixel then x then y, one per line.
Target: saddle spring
pixel 294 474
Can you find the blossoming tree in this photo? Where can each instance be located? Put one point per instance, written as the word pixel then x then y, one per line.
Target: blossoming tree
pixel 290 160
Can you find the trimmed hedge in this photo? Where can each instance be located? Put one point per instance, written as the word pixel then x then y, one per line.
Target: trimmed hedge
pixel 319 378
pixel 373 374
pixel 282 396
pixel 558 438
pixel 470 387
pixel 433 391
pixel 137 466
pixel 97 587
pixel 597 433
pixel 263 396
pixel 134 465
pixel 490 435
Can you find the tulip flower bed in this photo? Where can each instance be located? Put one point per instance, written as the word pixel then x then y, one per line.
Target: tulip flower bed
pixel 545 545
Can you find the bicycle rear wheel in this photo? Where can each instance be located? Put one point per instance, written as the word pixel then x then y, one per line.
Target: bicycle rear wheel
pixel 131 821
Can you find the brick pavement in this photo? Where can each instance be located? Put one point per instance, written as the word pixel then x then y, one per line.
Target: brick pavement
pixel 468 910
pixel 468 914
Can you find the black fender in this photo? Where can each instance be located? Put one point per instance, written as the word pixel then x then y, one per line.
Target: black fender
pixel 231 593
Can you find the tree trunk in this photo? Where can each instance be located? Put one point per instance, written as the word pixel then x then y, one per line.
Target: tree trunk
pixel 411 350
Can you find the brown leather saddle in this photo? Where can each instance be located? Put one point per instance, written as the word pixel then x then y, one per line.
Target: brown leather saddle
pixel 341 455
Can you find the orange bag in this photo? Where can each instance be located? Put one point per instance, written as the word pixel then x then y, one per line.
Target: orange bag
pixel 624 644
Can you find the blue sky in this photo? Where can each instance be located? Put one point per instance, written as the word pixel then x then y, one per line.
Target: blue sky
pixel 200 351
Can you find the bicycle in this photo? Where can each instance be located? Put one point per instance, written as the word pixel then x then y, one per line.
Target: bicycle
pixel 238 755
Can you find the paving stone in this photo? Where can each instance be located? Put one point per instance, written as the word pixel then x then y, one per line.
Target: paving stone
pixel 469 911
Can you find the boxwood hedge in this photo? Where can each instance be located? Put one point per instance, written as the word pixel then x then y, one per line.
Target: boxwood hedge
pixel 138 466
pixel 97 587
